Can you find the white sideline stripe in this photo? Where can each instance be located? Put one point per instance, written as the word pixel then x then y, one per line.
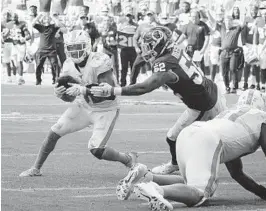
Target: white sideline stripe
pixel 88 188
pixel 73 153
pixel 94 196
pixel 89 130
pixel 50 116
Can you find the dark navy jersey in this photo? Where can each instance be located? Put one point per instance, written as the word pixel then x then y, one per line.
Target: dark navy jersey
pixel 194 89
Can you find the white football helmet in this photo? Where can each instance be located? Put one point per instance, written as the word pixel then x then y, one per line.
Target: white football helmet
pixel 77 45
pixel 253 98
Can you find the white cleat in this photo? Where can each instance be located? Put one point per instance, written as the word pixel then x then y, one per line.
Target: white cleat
pixel 166 168
pixel 133 159
pixel 32 172
pixel 148 192
pixel 21 81
pixel 126 185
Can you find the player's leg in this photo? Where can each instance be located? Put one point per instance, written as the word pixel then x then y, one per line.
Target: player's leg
pixel 20 56
pixel 74 119
pixel 124 64
pixel 104 123
pixel 6 59
pixel 40 59
pixel 187 118
pixel 55 66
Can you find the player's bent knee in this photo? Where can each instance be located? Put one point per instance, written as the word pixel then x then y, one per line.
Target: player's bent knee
pixel 97 152
pixel 58 128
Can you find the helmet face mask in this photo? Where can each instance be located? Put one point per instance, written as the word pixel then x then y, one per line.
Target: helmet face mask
pixel 77 45
pixel 154 42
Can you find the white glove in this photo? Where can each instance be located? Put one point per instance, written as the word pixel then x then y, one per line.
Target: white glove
pixel 59 91
pixel 103 90
pixel 75 89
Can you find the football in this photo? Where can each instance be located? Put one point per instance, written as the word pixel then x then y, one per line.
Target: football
pixel 63 81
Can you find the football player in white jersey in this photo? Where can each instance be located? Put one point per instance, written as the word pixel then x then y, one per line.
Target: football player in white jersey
pixel 87 68
pixel 200 148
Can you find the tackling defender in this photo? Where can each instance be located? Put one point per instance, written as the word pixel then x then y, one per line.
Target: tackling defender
pixel 88 68
pixel 174 68
pixel 201 147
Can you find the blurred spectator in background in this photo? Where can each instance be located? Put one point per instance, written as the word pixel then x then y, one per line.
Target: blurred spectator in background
pixel 262 47
pixel 197 34
pixel 173 6
pixel 20 34
pixel 32 46
pixel 183 14
pixel 128 53
pixel 149 23
pixel 231 53
pixel 250 40
pixel 59 41
pixel 7 41
pixel 108 33
pixel 47 28
pixel 215 45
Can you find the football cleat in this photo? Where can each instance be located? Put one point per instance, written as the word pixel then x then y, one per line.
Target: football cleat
pixel 32 172
pixel 149 192
pixel 166 168
pixel 126 185
pixel 133 159
pixel 21 81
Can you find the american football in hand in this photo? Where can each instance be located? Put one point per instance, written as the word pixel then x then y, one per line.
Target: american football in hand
pixel 63 81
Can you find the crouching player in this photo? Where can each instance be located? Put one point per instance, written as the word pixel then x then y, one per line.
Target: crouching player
pixel 88 68
pixel 201 147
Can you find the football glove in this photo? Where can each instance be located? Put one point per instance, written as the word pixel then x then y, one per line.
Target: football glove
pixel 103 90
pixel 76 89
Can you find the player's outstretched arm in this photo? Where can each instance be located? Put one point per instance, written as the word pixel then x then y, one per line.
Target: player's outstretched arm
pixel 150 84
pixel 235 168
pixel 262 139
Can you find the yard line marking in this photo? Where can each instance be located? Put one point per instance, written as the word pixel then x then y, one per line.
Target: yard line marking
pixel 89 188
pixel 38 117
pixel 94 196
pixel 73 153
pixel 88 130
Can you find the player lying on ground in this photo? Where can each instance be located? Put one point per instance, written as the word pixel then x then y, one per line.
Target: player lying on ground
pixel 200 148
pixel 174 68
pixel 87 68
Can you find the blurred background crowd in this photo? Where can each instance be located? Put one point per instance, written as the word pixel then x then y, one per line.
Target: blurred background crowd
pixel 225 38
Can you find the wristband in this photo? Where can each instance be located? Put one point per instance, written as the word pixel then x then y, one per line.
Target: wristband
pixel 83 90
pixel 116 91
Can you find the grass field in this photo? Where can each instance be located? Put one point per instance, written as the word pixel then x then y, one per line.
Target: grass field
pixel 73 179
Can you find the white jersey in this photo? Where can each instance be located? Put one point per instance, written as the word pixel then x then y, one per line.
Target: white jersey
pixel 89 75
pixel 239 130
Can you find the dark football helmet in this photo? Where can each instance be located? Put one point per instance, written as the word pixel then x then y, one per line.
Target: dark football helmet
pixel 155 42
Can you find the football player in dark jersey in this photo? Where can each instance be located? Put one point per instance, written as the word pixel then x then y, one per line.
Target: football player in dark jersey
pixel 174 68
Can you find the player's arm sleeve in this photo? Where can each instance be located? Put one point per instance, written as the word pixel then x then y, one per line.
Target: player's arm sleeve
pixel 262 139
pixel 155 81
pixel 235 168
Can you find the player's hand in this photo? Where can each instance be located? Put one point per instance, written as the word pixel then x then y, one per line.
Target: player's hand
pixel 103 90
pixel 59 91
pixel 138 50
pixel 75 89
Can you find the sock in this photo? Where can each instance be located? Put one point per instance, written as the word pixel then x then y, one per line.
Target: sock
pixel 172 150
pixel 47 147
pixel 8 67
pixel 111 154
pixel 253 80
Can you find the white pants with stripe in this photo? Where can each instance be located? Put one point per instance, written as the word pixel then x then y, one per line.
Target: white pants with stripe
pixel 198 152
pixel 190 115
pixel 78 117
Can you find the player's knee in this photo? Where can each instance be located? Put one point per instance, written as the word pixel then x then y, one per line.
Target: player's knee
pixel 97 152
pixel 58 128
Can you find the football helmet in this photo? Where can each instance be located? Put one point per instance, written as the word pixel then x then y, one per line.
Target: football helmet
pixel 77 45
pixel 155 42
pixel 253 98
